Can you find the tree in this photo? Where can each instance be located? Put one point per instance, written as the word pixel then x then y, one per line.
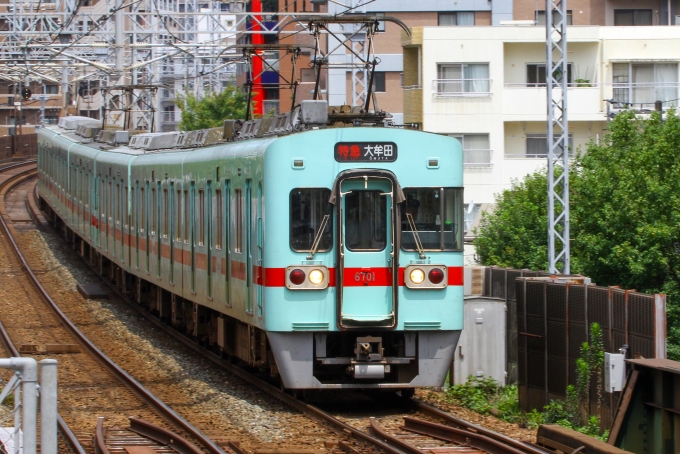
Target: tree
pixel 626 210
pixel 212 109
pixel 625 214
pixel 514 234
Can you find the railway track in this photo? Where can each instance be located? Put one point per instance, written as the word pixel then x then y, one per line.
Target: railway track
pixel 452 434
pixel 14 176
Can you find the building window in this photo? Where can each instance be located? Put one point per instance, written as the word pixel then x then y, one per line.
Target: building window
pixel 460 79
pixel 537 146
pixel 51 89
pixel 51 119
pixel 381 24
pixel 379 82
pixel 641 84
pixel 168 114
pixel 632 17
pixel 461 19
pixel 536 75
pixel 540 17
pixel 476 150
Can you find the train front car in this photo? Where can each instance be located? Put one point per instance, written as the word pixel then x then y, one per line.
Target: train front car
pixel 364 278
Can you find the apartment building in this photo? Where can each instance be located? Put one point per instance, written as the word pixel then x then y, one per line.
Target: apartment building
pixel 486 86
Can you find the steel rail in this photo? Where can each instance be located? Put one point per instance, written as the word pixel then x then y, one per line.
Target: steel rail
pixel 164 411
pixel 469 429
pixel 65 430
pixel 472 428
pixel 309 410
pixel 460 436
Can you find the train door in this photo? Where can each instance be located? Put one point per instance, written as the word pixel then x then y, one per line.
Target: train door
pixel 366 263
pixel 192 241
pixel 260 249
pixel 208 218
pixel 249 245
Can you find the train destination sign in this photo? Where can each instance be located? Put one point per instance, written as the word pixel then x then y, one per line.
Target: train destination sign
pixel 365 151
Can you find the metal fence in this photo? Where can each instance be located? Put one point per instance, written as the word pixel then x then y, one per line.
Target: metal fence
pixel 15 145
pixel 548 319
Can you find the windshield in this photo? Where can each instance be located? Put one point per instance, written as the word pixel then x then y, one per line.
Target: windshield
pixel 437 213
pixel 307 209
pixel 365 221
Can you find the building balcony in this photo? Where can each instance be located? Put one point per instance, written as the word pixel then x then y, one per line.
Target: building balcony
pixel 644 95
pixel 477 159
pixel 523 103
pixel 168 117
pixel 447 88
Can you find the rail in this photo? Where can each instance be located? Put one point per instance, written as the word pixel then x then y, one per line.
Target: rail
pixel 163 410
pixel 65 430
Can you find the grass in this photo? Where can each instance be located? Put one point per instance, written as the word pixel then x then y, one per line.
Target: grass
pixel 486 396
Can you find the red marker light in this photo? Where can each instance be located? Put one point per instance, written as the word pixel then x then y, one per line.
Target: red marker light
pixel 436 276
pixel 297 277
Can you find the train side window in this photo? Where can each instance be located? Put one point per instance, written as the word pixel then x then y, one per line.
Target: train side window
pixel 109 198
pixel 200 224
pixel 154 207
pixel 238 221
pixel 133 207
pixel 178 218
pixel 438 217
pixel 119 205
pixel 218 218
pixel 186 217
pixel 166 212
pixel 125 207
pixel 142 209
pixel 308 206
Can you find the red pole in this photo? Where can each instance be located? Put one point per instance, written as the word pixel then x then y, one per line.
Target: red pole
pixel 257 38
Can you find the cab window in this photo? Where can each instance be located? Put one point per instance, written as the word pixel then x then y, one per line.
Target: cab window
pixel 437 214
pixel 308 206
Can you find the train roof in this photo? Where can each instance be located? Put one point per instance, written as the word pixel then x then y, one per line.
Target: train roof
pixel 309 115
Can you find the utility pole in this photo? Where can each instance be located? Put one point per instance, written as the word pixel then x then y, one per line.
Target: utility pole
pixel 557 78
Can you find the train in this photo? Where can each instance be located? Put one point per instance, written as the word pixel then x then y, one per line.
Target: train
pixel 323 246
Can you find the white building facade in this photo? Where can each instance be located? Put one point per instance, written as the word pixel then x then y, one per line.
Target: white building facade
pixel 486 86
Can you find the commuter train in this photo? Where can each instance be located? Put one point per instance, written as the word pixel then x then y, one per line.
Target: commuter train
pixel 323 245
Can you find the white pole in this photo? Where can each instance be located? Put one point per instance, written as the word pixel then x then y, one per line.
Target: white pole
pixel 28 368
pixel 48 406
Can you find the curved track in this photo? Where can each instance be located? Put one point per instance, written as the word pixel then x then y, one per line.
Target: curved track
pixel 456 432
pixel 360 440
pixel 166 413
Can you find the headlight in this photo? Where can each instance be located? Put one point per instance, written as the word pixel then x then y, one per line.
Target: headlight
pixel 316 276
pixel 297 276
pixel 417 276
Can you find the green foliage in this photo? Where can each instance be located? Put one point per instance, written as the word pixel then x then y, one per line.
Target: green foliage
pixel 485 395
pixel 9 401
pixel 625 214
pixel 211 110
pixel 520 214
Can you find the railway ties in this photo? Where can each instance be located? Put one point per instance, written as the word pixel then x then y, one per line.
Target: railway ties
pixel 418 436
pixel 54 327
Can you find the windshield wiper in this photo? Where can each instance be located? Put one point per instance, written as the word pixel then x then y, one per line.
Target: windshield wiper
pixel 416 237
pixel 317 238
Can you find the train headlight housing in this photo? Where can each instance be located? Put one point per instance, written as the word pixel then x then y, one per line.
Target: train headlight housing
pixel 307 277
pixel 417 276
pixel 316 276
pixel 426 276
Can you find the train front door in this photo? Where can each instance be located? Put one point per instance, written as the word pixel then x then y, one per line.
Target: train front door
pixel 365 278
